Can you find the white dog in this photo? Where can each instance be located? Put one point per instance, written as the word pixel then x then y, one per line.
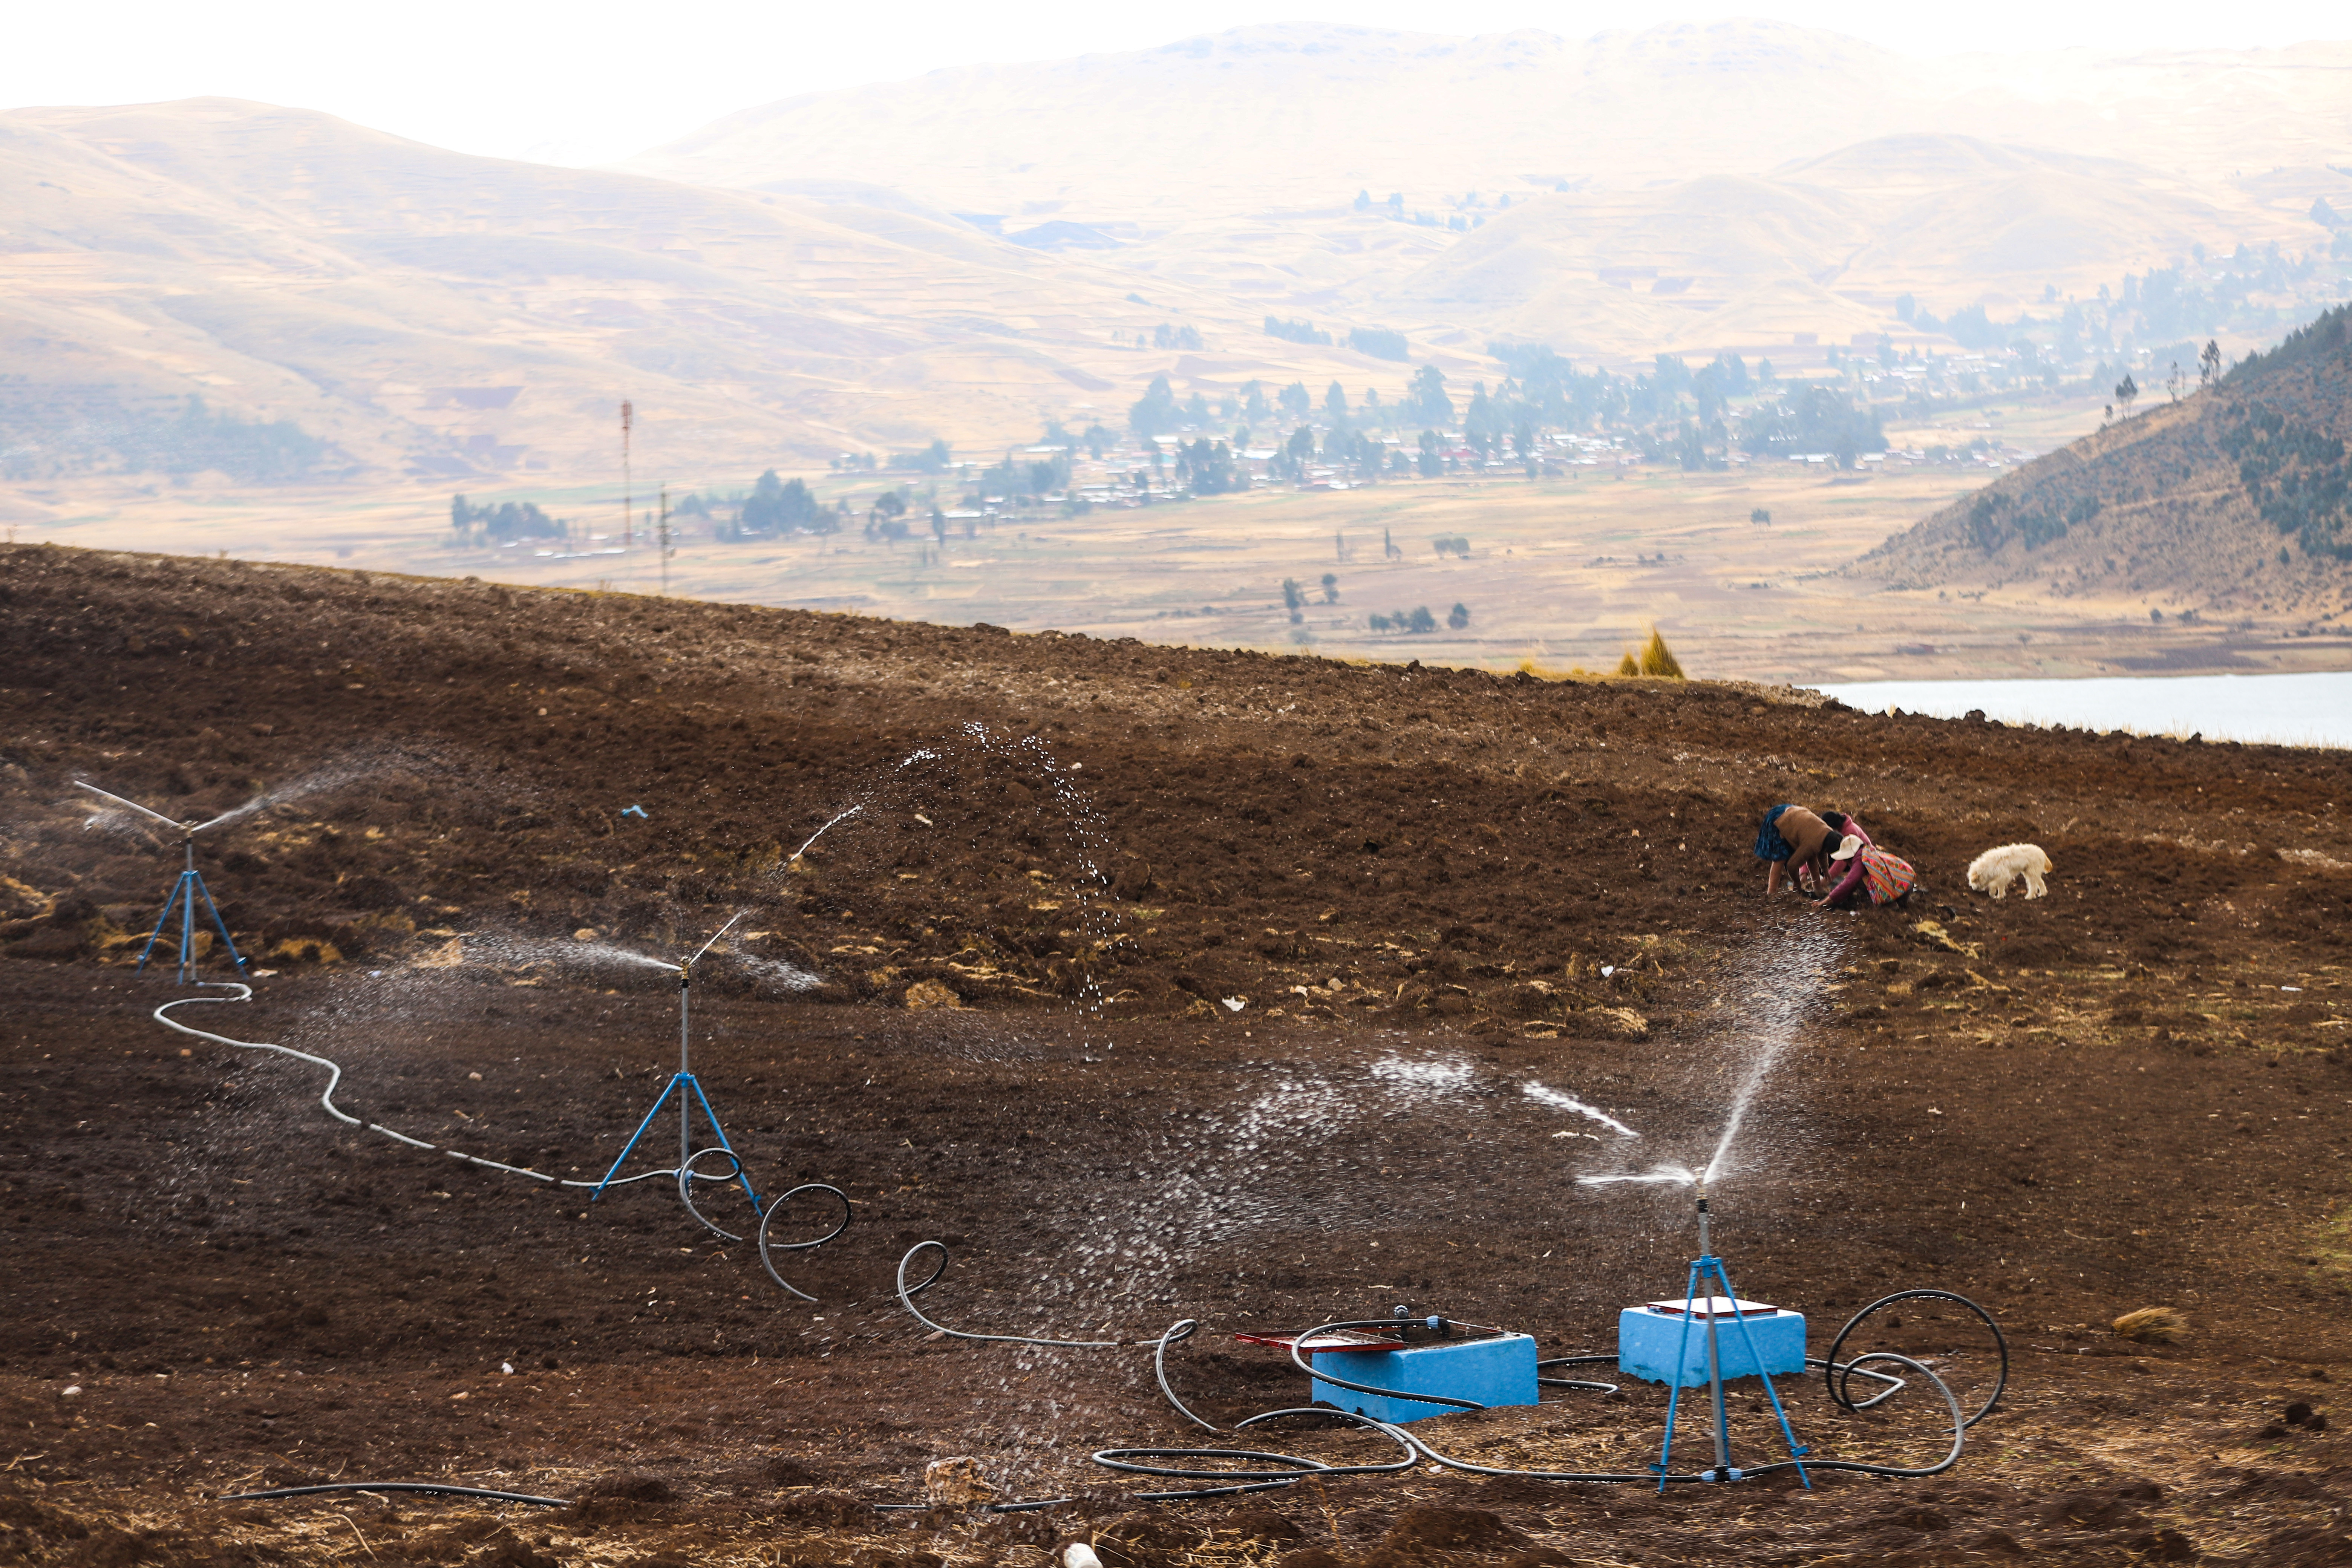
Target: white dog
pixel 1995 870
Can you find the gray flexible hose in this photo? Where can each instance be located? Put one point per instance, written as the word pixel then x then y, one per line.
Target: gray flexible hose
pixel 907 1299
pixel 1176 1333
pixel 335 1077
pixel 778 1205
pixel 427 1488
pixel 685 1175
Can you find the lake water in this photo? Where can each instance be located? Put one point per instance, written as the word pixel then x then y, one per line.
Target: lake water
pixel 2302 710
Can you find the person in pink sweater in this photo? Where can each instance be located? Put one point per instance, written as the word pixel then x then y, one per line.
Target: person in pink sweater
pixel 1869 872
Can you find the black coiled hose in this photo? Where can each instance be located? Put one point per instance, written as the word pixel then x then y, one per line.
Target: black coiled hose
pixel 1416 1447
pixel 1837 1378
pixel 1294 1468
pixel 1275 1471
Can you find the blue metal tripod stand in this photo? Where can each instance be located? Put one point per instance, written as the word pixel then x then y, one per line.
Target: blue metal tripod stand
pixel 1708 1268
pixel 688 1089
pixel 186 888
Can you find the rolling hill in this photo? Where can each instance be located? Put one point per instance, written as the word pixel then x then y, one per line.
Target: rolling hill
pixel 426 311
pixel 1828 247
pixel 1688 188
pixel 266 292
pixel 2233 501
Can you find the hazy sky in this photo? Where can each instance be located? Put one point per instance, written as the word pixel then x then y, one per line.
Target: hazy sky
pixel 589 80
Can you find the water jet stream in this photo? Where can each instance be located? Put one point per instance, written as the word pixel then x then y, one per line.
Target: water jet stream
pixel 1544 1095
pixel 1781 981
pixel 821 831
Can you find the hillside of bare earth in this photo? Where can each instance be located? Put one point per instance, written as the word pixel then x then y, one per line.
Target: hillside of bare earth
pixel 1155 984
pixel 2235 500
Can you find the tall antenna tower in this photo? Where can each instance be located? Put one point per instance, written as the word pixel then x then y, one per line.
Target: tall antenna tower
pixel 663 541
pixel 628 492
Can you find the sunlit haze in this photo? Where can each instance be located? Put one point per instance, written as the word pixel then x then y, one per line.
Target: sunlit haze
pixel 595 81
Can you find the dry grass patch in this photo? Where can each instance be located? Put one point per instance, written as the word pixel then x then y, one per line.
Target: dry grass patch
pixel 2152 1326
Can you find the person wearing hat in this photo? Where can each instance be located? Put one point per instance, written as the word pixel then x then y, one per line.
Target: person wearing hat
pixel 1869 871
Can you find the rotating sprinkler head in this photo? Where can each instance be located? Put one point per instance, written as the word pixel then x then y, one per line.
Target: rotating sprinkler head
pixel 189 886
pixel 688 1089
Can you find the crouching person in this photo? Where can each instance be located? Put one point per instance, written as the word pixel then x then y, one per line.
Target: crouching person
pixel 1870 873
pixel 1792 843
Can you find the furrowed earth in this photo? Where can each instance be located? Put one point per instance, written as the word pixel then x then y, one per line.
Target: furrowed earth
pixel 1155 984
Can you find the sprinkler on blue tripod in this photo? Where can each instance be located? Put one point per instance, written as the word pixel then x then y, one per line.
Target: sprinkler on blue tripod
pixel 1707 1270
pixel 1653 1341
pixel 187 887
pixel 688 1089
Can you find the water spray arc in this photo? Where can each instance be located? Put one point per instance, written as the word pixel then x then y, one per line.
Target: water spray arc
pixel 1733 1339
pixel 186 887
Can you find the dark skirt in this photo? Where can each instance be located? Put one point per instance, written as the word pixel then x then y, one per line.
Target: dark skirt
pixel 1770 845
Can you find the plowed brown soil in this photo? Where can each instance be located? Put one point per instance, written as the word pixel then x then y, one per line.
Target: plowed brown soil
pixel 991 1006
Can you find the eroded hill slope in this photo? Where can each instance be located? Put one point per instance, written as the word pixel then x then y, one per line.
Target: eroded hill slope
pixel 2234 499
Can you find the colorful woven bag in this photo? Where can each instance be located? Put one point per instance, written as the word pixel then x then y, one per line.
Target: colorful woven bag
pixel 1888 877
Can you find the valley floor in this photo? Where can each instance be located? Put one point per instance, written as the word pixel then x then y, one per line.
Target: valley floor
pixel 1559 574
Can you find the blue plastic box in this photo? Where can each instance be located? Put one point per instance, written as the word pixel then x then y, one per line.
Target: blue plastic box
pixel 1647 1337
pixel 1498 1371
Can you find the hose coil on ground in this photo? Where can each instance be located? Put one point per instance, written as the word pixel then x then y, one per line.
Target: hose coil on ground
pixel 907 1299
pixel 1291 1468
pixel 1837 1378
pixel 1418 1447
pixel 776 1206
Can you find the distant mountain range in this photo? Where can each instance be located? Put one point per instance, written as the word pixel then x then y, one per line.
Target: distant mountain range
pixel 974 252
pixel 2234 499
pixel 1275 119
pixel 1688 188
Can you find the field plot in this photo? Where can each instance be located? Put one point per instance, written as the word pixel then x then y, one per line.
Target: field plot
pixel 1154 983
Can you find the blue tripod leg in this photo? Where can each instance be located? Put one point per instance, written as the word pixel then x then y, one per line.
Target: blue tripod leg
pixel 178 884
pixel 1675 1381
pixel 220 925
pixel 187 926
pixel 1797 1451
pixel 741 1173
pixel 660 1101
